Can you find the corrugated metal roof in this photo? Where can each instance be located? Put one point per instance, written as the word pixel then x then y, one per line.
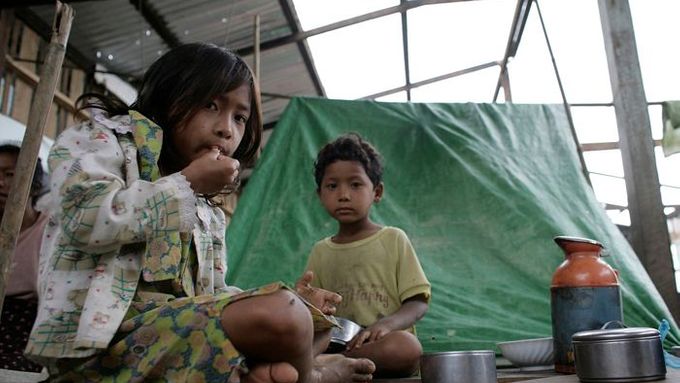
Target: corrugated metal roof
pixel 117 35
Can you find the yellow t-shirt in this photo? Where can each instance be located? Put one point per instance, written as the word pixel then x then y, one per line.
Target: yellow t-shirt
pixel 374 275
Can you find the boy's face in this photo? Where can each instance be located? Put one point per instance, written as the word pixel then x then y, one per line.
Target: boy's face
pixel 347 193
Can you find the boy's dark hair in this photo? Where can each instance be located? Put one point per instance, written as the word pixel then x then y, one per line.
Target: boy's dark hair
pixel 349 147
pixel 38 174
pixel 180 82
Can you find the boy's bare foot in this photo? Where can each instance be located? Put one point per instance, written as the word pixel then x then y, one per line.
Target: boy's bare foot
pixel 271 373
pixel 331 368
pixel 337 368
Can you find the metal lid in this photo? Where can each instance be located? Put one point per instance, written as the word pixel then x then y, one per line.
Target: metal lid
pixel 461 353
pixel 615 334
pixel 561 238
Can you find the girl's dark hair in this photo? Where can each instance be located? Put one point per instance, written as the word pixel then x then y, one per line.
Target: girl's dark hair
pixel 349 147
pixel 180 82
pixel 38 174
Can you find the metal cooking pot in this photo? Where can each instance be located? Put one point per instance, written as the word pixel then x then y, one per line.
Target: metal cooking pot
pixel 458 367
pixel 341 336
pixel 631 354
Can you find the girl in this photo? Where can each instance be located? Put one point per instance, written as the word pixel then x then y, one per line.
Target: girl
pixel 132 283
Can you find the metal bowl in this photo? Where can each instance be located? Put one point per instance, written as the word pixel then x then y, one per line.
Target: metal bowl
pixel 341 336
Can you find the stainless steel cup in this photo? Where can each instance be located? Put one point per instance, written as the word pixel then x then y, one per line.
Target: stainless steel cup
pixel 458 367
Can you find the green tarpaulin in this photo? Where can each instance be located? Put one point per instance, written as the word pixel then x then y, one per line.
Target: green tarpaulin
pixel 481 190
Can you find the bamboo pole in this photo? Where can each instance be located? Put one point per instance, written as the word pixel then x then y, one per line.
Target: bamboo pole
pixel 28 157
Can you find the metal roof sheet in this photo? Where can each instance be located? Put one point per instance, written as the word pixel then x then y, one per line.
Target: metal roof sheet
pixel 117 35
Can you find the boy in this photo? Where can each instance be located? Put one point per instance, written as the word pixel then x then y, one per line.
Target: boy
pixel 373 268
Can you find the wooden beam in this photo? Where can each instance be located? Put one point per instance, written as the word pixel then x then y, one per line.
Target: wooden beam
pixel 294 24
pixel 594 146
pixel 33 80
pixel 432 80
pixel 649 230
pixel 44 30
pixel 294 37
pixel 404 43
pixel 6 4
pixel 29 46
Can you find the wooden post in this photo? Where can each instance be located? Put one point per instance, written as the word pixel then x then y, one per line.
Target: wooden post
pixel 28 157
pixel 649 230
pixel 6 22
pixel 256 45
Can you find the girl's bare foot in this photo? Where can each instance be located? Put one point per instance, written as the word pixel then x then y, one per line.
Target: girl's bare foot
pixel 337 368
pixel 271 373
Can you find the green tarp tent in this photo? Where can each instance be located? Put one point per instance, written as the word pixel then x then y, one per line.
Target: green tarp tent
pixel 481 190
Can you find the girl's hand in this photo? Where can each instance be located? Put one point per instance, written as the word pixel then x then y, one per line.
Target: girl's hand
pixel 211 172
pixel 324 300
pixel 371 333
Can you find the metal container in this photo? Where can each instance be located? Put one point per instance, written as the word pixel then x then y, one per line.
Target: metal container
pixel 584 295
pixel 631 354
pixel 341 336
pixel 458 367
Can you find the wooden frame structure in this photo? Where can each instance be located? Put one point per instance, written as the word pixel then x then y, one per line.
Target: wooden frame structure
pixel 648 231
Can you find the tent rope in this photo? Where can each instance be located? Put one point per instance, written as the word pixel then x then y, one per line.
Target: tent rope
pixel 567 109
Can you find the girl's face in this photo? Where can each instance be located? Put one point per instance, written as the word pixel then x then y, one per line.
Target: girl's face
pixel 347 193
pixel 221 123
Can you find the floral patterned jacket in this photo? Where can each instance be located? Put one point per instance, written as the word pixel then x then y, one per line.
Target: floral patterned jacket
pixel 114 221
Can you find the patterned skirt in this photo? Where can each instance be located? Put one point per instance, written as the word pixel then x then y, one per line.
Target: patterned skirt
pixel 17 320
pixel 178 341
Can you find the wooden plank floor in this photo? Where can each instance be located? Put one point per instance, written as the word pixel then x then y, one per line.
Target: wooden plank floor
pixel 673 375
pixel 505 372
pixel 504 375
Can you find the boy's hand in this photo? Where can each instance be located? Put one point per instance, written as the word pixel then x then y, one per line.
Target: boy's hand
pixel 411 310
pixel 324 300
pixel 370 334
